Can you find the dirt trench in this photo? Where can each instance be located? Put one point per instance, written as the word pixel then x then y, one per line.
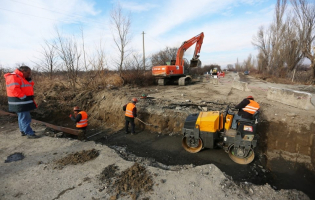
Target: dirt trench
pixel 286 139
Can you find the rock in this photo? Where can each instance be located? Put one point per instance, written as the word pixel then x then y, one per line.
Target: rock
pixel 178 108
pixel 204 108
pixel 187 100
pixel 251 190
pixel 199 108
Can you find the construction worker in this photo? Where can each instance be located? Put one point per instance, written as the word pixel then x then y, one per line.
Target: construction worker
pixel 130 114
pixel 81 119
pixel 247 109
pixel 20 94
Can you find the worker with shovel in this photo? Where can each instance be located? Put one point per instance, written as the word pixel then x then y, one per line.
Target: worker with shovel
pixel 130 114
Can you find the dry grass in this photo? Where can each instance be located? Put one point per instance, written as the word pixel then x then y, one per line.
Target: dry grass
pixel 301 77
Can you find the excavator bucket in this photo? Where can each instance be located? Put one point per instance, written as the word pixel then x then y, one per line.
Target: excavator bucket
pixel 194 62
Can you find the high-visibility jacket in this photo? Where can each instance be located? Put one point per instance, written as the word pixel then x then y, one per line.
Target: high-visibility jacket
pixel 252 107
pixel 20 92
pixel 129 109
pixel 84 121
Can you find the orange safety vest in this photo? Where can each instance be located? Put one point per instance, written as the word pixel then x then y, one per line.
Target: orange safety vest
pixel 129 108
pixel 20 92
pixel 252 107
pixel 84 121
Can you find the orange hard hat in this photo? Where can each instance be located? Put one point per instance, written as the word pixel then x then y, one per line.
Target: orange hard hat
pixel 250 97
pixel 76 108
pixel 135 100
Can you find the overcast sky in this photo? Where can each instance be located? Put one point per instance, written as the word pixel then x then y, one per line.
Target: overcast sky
pixel 228 25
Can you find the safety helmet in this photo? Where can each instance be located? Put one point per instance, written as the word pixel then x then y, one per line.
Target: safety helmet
pixel 76 108
pixel 250 97
pixel 135 100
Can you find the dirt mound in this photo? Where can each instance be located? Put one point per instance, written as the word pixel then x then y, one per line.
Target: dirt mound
pixel 77 158
pixel 134 181
pixel 108 173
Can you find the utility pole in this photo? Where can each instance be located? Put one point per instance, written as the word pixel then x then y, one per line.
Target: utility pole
pixel 143 51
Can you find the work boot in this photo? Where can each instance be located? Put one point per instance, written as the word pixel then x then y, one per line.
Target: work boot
pixel 32 136
pixel 22 133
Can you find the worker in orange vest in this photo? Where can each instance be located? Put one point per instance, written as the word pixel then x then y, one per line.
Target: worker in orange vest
pixel 81 119
pixel 20 94
pixel 247 109
pixel 130 114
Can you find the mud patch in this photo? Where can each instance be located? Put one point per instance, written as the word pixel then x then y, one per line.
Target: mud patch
pixel 14 157
pixel 134 181
pixel 77 158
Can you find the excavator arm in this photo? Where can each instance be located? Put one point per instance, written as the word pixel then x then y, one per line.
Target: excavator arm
pixel 180 53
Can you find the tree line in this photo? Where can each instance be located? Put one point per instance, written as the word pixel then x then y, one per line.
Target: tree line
pixel 288 41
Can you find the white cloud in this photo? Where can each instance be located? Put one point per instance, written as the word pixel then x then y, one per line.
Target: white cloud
pixel 137 7
pixel 171 23
pixel 25 26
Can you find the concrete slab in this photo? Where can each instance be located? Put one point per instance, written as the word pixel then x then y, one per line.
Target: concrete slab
pixel 243 86
pixel 293 98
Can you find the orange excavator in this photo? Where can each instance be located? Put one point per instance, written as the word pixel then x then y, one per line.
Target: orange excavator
pixel 175 71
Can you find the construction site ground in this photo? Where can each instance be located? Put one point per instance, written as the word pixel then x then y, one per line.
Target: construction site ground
pixel 152 164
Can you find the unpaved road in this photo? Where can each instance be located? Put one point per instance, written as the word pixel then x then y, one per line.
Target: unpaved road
pixel 38 177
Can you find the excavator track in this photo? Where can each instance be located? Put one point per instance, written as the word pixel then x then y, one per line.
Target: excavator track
pixel 184 80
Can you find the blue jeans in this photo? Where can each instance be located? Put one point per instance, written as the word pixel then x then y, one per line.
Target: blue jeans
pixel 234 123
pixel 24 119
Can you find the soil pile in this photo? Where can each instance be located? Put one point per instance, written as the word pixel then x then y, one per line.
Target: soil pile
pixel 77 158
pixel 133 181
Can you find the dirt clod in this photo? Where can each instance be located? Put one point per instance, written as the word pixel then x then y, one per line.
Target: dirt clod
pixel 77 158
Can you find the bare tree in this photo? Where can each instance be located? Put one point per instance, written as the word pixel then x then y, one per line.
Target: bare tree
pixel 248 64
pixel 121 34
pixel 305 14
pixel 49 60
pixel 70 55
pixel 269 41
pixel 164 56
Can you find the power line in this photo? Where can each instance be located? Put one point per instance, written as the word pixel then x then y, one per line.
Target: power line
pixel 70 20
pixel 32 15
pixel 50 10
pixel 155 40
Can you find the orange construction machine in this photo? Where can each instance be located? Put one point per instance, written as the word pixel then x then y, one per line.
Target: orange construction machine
pixel 175 71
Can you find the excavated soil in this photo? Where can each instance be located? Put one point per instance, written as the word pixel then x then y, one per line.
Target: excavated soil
pixel 133 182
pixel 77 158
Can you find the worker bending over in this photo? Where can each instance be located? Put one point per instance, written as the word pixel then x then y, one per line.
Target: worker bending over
pixel 130 114
pixel 81 119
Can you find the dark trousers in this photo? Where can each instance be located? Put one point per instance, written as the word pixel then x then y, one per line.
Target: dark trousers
pixel 132 122
pixel 81 135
